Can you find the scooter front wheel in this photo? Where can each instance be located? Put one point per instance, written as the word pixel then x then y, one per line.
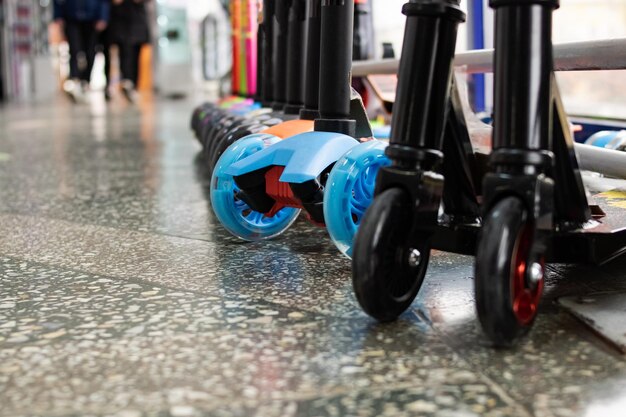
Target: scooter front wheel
pixel 350 191
pixel 508 276
pixel 388 264
pixel 232 212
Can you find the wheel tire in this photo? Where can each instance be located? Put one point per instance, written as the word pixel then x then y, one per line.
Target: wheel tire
pixel 220 130
pixel 233 213
pixel 231 138
pixel 505 303
pixel 350 191
pixel 196 116
pixel 384 281
pixel 207 125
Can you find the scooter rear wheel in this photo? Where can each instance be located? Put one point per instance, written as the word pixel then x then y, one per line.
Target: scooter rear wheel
pixel 232 212
pixel 388 263
pixel 508 277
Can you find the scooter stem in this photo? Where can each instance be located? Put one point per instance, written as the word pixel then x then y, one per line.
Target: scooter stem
pixel 335 66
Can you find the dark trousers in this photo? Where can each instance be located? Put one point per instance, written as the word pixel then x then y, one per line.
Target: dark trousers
pixel 104 47
pixel 82 38
pixel 106 51
pixel 129 61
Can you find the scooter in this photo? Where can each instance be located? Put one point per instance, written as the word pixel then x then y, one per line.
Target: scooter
pixel 293 87
pixel 232 125
pixel 262 182
pixel 529 207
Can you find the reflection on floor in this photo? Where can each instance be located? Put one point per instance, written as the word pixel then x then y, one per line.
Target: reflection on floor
pixel 120 295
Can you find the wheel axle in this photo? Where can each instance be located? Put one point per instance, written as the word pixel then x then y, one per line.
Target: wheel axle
pixel 415 257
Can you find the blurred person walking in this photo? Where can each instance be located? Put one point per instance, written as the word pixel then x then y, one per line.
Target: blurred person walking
pixel 103 46
pixel 82 21
pixel 129 30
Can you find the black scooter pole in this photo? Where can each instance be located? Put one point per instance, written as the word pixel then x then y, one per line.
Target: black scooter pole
pixel 312 67
pixel 335 67
pixel 297 46
pixel 267 79
pixel 280 52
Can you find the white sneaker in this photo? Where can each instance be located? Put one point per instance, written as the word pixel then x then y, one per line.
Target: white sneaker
pixel 71 87
pixel 74 90
pixel 128 89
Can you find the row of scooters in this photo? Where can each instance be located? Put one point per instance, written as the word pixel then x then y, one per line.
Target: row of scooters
pixel 303 144
pixel 327 172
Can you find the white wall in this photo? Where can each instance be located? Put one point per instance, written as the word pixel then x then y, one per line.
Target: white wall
pixel 593 93
pixel 197 10
pixel 578 20
pixel 389 25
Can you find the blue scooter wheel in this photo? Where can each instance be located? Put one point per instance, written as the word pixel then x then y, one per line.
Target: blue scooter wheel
pixel 350 191
pixel 233 213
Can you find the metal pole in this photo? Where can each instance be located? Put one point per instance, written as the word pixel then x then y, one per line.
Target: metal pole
pixel 424 76
pixel 296 46
pixel 604 161
pixel 312 65
pixel 335 59
pixel 280 43
pixel 269 76
pixel 607 54
pixel 523 74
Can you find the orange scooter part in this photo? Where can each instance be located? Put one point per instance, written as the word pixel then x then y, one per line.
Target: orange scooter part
pixel 290 128
pixel 281 192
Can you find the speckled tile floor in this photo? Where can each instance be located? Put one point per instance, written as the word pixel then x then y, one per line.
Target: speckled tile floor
pixel 121 296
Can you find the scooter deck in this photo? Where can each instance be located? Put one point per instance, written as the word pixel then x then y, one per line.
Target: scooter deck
pixel 600 241
pixel 597 242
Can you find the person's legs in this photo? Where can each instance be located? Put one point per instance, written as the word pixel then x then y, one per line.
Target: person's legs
pixel 128 69
pixel 136 56
pixel 90 40
pixel 129 62
pixel 106 51
pixel 126 61
pixel 75 42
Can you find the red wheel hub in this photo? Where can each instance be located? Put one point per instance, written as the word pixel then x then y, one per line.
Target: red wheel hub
pixel 525 299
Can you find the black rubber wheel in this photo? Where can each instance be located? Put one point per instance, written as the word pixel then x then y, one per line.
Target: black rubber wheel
pixel 229 139
pixel 207 125
pixel 198 115
pixel 506 300
pixel 388 265
pixel 219 130
pixel 195 119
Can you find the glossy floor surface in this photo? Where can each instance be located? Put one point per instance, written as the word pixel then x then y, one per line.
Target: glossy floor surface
pixel 121 295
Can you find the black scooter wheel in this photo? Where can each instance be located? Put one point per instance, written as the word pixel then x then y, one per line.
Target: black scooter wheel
pixel 508 277
pixel 388 263
pixel 207 125
pixel 232 137
pixel 195 119
pixel 221 129
pixel 198 114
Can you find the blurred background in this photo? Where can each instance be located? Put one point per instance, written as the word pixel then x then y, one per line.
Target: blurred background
pixel 190 44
